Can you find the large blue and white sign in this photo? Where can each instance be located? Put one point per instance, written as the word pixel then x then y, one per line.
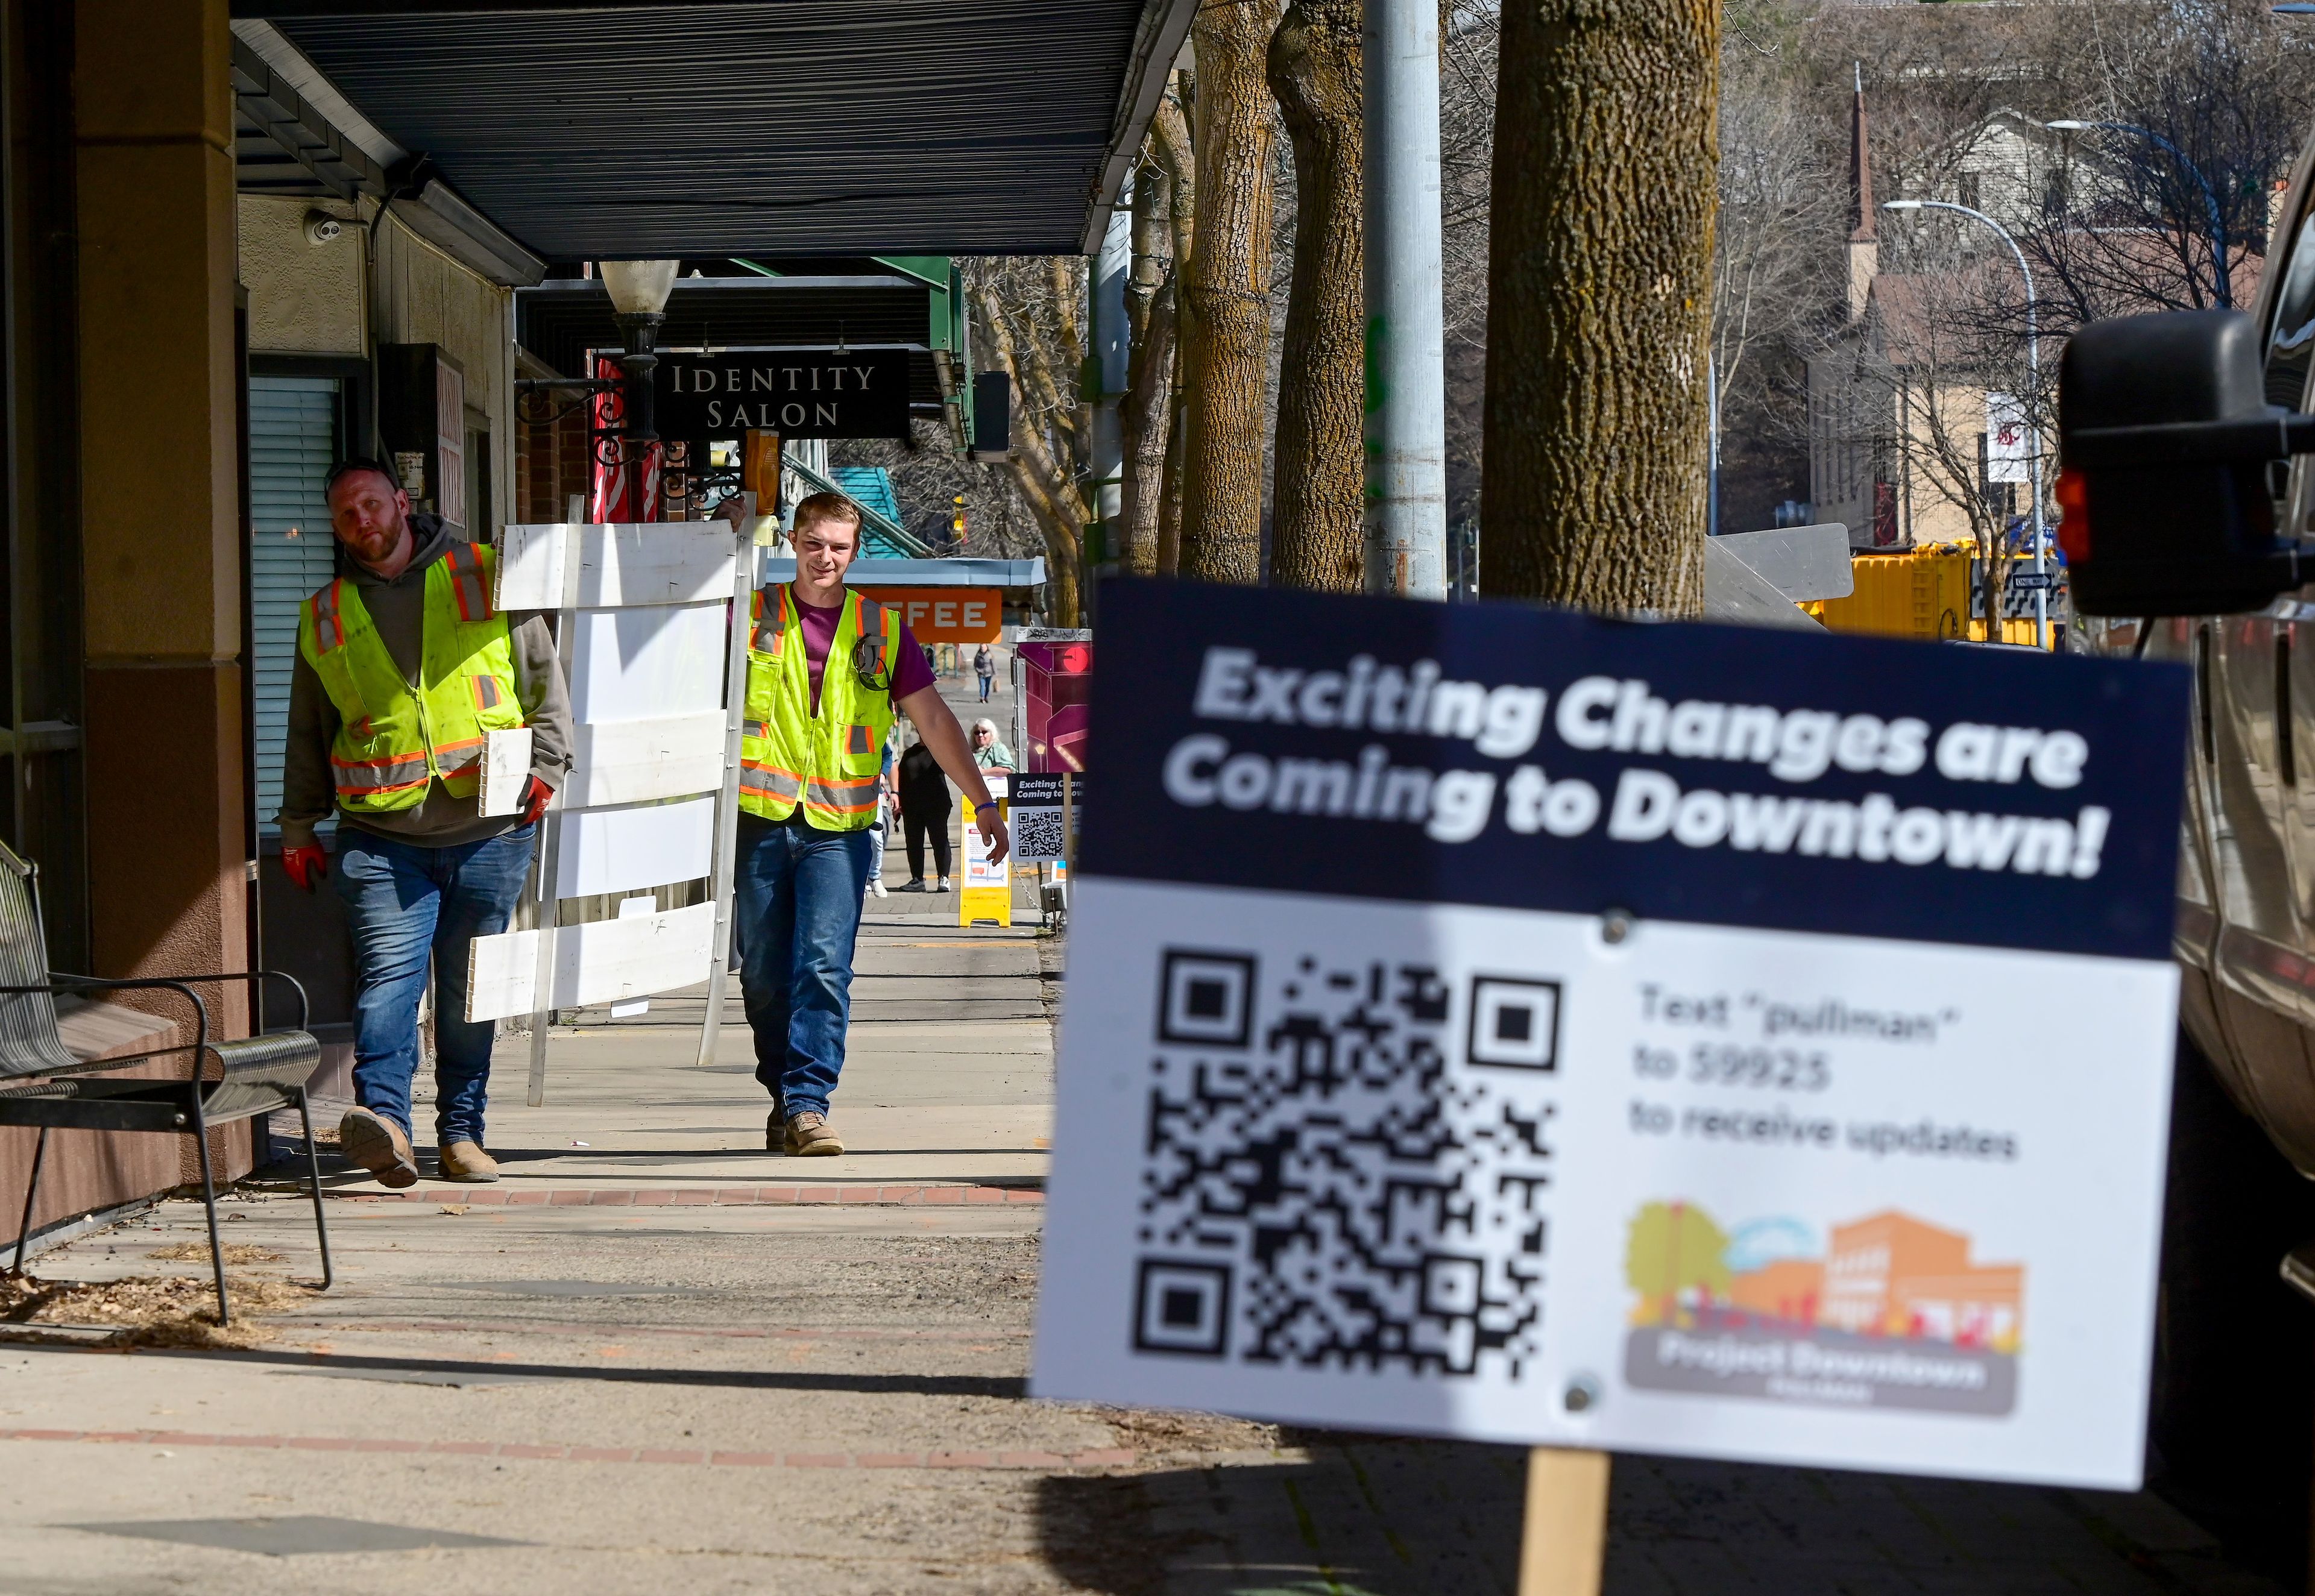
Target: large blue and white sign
pixel 1518 1026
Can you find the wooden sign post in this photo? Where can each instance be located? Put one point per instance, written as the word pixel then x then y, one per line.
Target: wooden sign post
pixel 1566 1534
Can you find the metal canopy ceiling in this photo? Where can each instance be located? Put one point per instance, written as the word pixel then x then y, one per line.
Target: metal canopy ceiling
pixel 792 126
pixel 560 321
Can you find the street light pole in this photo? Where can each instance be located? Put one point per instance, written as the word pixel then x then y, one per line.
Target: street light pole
pixel 2033 397
pixel 1405 365
pixel 639 291
pixel 2220 275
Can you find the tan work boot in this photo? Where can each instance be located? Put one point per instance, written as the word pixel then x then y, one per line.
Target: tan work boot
pixel 466 1161
pixel 379 1145
pixel 810 1136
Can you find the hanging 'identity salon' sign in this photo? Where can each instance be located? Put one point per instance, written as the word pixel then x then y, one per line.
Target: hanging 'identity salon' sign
pixel 861 393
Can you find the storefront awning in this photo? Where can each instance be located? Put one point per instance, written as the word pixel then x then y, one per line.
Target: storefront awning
pixel 746 128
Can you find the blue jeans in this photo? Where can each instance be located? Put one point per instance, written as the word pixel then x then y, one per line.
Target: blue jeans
pixel 797 900
pixel 405 903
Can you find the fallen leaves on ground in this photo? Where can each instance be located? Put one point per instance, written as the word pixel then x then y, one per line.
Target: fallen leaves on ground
pixel 198 1252
pixel 155 1310
pixel 1158 1432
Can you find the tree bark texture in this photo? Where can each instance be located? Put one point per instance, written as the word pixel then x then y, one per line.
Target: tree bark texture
pixel 1317 538
pixel 1599 303
pixel 1146 408
pixel 1226 289
pixel 1170 143
pixel 1045 480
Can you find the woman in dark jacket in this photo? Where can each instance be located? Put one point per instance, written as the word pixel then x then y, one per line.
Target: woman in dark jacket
pixel 925 806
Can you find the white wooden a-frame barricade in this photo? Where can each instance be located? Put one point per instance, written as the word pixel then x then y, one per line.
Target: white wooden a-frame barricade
pixel 653 638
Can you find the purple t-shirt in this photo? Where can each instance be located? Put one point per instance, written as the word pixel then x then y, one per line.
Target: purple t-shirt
pixel 909 671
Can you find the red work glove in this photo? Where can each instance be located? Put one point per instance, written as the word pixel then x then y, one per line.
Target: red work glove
pixel 536 796
pixel 306 864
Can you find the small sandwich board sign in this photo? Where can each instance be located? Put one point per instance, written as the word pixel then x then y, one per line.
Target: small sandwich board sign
pixel 1517 1025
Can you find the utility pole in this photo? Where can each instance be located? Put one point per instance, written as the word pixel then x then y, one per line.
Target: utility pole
pixel 1407 378
pixel 1105 373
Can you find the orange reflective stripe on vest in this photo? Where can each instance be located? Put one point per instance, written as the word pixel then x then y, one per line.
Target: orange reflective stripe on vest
pixel 393 774
pixel 329 625
pixel 767 636
pixel 467 583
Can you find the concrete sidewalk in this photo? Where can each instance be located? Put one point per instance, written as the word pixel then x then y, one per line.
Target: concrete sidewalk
pixel 946 1095
pixel 926 1102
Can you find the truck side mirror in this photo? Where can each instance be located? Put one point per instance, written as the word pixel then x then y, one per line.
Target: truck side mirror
pixel 2164 437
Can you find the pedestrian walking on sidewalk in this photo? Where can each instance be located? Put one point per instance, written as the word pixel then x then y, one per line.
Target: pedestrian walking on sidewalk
pixel 985 667
pixel 876 837
pixel 827 667
pixel 923 816
pixel 403 668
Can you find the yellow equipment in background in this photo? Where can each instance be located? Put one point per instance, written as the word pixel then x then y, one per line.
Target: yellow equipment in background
pixel 1922 592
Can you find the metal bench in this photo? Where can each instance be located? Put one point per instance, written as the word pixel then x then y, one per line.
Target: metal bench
pixel 43 1083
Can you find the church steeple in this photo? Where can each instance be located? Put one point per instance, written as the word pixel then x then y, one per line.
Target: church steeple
pixel 1864 244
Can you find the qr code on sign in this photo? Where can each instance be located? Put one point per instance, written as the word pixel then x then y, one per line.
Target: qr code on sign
pixel 1037 834
pixel 1347 1165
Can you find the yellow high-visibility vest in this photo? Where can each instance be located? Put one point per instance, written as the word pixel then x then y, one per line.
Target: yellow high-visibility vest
pixel 828 762
pixel 391 741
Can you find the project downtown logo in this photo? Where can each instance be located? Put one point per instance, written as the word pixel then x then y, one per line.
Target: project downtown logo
pixel 1889 1311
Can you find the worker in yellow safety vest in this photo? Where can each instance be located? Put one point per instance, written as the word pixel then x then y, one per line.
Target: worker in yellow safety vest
pixel 405 667
pixel 827 667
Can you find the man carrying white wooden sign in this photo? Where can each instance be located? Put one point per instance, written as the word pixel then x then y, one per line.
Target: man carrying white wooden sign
pixel 405 667
pixel 810 752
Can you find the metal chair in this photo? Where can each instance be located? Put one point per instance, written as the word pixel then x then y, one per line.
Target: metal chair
pixel 254 1075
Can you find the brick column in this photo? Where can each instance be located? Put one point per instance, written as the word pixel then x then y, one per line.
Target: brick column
pixel 161 508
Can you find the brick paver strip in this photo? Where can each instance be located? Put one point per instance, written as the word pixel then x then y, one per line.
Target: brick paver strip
pixel 1090 1458
pixel 695 1196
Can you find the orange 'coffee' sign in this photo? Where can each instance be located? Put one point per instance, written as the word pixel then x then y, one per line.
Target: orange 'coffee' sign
pixel 947 614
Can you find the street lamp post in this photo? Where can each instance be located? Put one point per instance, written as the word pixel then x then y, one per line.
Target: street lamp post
pixel 2033 392
pixel 1405 368
pixel 639 292
pixel 2220 275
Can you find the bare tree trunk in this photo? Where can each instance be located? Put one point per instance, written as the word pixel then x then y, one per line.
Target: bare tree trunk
pixel 1044 483
pixel 1599 303
pixel 1317 538
pixel 1170 142
pixel 1148 414
pixel 1146 408
pixel 1226 289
